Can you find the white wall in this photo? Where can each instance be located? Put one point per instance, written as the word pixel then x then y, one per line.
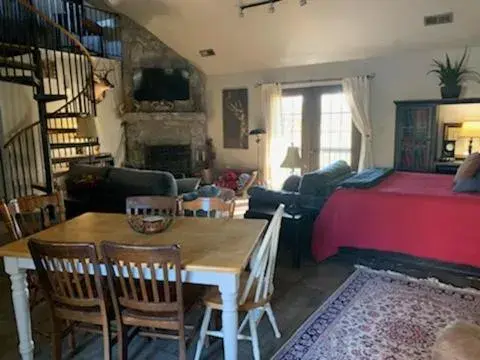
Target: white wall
pixel 397 77
pixel 109 119
pixel 17 107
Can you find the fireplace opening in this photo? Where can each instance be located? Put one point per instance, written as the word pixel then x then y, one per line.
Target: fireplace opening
pixel 176 159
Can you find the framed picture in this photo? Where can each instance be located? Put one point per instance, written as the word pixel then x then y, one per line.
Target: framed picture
pixel 235 118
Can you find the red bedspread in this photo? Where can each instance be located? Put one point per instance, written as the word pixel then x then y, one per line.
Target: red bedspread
pixel 411 213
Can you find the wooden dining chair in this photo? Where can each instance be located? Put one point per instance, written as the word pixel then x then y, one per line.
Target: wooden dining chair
pixel 73 295
pixel 256 290
pixel 210 207
pixel 154 307
pixel 25 216
pixel 31 214
pixel 7 219
pixel 151 205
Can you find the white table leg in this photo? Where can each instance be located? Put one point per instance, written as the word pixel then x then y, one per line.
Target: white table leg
pixel 21 306
pixel 229 292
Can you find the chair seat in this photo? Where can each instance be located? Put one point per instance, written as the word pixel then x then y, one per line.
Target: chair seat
pixel 89 315
pixel 192 294
pixel 213 298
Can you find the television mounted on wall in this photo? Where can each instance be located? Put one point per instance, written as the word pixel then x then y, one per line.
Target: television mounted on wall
pixel 156 84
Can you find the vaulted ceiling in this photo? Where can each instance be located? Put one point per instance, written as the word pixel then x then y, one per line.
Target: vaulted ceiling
pixel 322 31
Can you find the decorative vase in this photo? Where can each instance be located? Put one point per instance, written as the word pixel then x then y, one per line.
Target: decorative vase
pixel 451 92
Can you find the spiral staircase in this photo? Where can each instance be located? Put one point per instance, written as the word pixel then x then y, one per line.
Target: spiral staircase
pixel 43 46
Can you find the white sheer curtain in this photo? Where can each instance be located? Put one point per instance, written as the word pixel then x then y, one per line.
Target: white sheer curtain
pixel 271 114
pixel 357 94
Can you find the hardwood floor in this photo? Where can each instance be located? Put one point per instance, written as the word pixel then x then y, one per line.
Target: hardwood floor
pixel 298 293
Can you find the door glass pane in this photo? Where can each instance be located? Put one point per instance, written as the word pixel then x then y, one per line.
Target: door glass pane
pixel 286 132
pixel 335 129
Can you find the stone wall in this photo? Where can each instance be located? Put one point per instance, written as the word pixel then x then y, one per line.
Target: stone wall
pixel 142 49
pixel 151 122
pixel 146 129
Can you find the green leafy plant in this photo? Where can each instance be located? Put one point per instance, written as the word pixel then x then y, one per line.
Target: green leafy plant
pixel 453 74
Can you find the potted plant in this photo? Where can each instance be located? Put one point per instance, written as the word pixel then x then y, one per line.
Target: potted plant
pixel 453 75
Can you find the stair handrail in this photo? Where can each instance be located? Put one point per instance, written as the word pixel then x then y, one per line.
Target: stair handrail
pixel 67 33
pixel 84 51
pixel 20 132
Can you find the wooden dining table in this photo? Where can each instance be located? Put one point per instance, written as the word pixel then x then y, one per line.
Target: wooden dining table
pixel 214 252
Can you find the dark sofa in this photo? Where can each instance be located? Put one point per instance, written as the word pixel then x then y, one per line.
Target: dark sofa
pixel 104 189
pixel 301 195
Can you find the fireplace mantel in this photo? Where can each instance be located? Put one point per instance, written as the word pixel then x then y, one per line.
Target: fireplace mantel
pixel 144 129
pixel 165 116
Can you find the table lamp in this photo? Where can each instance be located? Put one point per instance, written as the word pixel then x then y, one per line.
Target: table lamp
pixel 470 130
pixel 292 159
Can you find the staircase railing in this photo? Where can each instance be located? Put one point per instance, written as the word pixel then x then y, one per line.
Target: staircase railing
pixel 25 169
pixel 42 45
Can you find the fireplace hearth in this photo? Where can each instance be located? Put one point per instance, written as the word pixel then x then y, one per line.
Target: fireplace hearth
pixel 176 159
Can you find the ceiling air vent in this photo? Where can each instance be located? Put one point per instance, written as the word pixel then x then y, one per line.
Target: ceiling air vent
pixel 445 18
pixel 207 52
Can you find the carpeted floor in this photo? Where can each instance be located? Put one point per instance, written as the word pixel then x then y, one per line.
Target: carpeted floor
pixel 379 315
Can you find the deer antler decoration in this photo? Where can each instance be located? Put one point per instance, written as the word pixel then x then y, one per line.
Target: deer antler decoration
pixel 101 85
pixel 237 109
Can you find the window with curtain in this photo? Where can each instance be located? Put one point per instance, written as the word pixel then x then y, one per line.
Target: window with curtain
pixel 335 129
pixel 286 132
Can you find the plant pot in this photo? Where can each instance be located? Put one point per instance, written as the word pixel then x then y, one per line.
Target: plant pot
pixel 451 92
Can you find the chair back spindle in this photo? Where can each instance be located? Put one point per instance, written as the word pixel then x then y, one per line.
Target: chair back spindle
pixel 212 207
pixel 64 273
pixel 147 294
pixel 262 272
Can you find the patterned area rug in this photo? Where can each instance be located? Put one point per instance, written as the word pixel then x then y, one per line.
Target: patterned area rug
pixel 379 315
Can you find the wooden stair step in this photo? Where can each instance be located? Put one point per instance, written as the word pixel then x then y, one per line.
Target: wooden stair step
pixel 59 172
pixel 73 145
pixel 11 50
pixel 39 187
pixel 49 97
pixel 62 130
pixel 57 160
pixel 16 64
pixel 21 80
pixel 65 115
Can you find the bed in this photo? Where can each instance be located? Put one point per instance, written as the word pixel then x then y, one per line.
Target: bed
pixel 411 213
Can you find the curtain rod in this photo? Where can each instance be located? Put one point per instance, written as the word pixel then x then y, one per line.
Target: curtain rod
pixel 369 76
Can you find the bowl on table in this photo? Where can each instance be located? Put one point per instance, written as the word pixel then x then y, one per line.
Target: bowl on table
pixel 150 224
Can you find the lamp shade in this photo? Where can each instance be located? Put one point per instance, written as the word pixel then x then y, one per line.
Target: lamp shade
pixel 257 132
pixel 86 127
pixel 292 159
pixel 470 129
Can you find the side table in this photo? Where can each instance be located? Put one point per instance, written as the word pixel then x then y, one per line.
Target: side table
pixel 447 167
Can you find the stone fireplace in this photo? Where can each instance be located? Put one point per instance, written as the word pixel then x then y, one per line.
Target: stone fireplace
pixel 148 135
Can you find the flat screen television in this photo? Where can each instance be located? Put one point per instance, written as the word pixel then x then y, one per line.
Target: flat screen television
pixel 155 84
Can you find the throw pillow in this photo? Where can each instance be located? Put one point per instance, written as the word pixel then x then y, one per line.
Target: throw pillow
pixel 468 184
pixel 292 183
pixel 469 167
pixel 243 180
pixel 228 180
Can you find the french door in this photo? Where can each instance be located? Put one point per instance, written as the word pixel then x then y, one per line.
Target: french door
pixel 328 134
pixel 318 121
